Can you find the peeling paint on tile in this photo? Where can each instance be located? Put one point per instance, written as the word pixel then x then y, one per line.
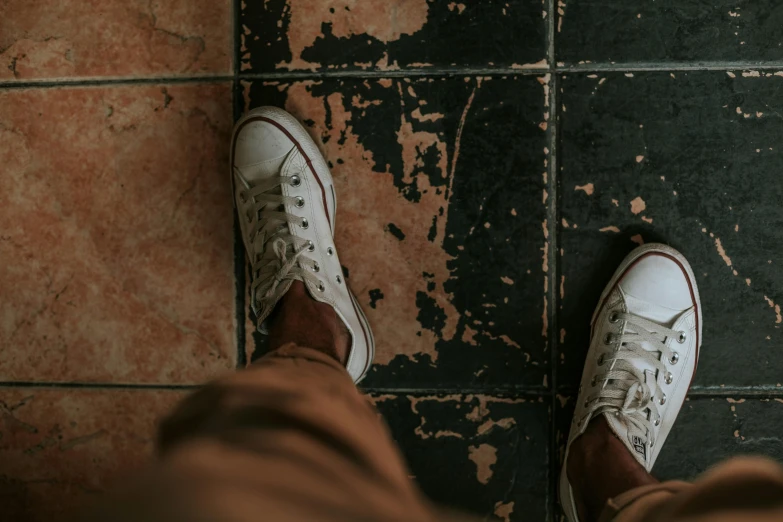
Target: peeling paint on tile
pixel 638 239
pixel 484 456
pixel 610 228
pixel 504 510
pixel 638 205
pixel 587 188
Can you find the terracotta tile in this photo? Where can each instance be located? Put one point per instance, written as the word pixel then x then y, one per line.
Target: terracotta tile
pixel 56 39
pixel 60 448
pixel 116 246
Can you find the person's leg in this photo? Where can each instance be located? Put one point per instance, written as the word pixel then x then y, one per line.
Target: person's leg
pixel 600 468
pixel 290 438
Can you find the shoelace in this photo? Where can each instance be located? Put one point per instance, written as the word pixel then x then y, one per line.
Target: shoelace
pixel 276 256
pixel 626 389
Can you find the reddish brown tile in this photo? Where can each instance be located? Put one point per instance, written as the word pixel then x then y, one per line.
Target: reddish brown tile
pixel 116 242
pixel 60 448
pixel 56 39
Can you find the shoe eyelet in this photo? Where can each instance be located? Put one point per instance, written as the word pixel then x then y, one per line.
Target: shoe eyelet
pixel 305 224
pixel 329 251
pixel 296 181
pixel 662 400
pixel 299 202
pixel 614 317
pixel 674 358
pixel 656 423
pixel 609 339
pixel 310 246
pixel 593 381
pixel 338 279
pixel 681 338
pixel 321 286
pixel 667 378
pixel 601 360
pixel 586 403
pixel 316 267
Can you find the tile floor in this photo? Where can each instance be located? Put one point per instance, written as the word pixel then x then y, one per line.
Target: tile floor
pixel 494 161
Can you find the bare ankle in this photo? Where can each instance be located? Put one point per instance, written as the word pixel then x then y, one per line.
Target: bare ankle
pixel 600 467
pixel 300 319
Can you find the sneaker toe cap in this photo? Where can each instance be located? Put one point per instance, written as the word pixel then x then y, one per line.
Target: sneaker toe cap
pixel 659 280
pixel 259 142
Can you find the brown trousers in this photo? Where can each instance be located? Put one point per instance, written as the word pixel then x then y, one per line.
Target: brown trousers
pixel 291 439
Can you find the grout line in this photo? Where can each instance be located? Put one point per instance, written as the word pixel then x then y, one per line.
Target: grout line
pixel 532 391
pixel 667 66
pixel 94 82
pixel 553 265
pixel 717 392
pixel 240 283
pixel 409 73
pixel 413 73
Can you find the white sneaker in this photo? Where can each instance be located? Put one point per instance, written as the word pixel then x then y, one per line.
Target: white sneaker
pixel 285 198
pixel 646 335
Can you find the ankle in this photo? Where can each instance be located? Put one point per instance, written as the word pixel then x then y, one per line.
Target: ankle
pixel 300 319
pixel 600 467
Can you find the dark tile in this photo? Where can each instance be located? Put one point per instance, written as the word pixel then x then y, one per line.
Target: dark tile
pixel 691 159
pixel 61 448
pixel 440 186
pixel 481 454
pixel 707 432
pixel 669 30
pixel 289 35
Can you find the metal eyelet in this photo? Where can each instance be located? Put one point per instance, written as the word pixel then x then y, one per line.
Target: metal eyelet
pixel 681 338
pixel 296 181
pixel 329 251
pixel 587 403
pixel 339 279
pixel 657 423
pixel 662 400
pixel 674 358
pixel 299 201
pixel 601 360
pixel 316 267
pixel 593 381
pixel 608 339
pixel 305 224
pixel 667 378
pixel 310 246
pixel 321 286
pixel 614 317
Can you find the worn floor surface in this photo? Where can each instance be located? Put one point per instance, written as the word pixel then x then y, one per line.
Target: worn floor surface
pixel 494 161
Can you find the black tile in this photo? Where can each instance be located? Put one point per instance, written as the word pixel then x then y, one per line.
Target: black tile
pixel 707 432
pixel 702 150
pixel 440 186
pixel 479 454
pixel 669 30
pixel 289 35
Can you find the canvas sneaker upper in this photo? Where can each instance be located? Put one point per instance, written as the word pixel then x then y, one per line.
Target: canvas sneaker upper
pixel 646 334
pixel 286 206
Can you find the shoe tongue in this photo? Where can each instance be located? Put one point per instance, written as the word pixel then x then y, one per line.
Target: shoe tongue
pixel 262 170
pixel 635 444
pixel 656 313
